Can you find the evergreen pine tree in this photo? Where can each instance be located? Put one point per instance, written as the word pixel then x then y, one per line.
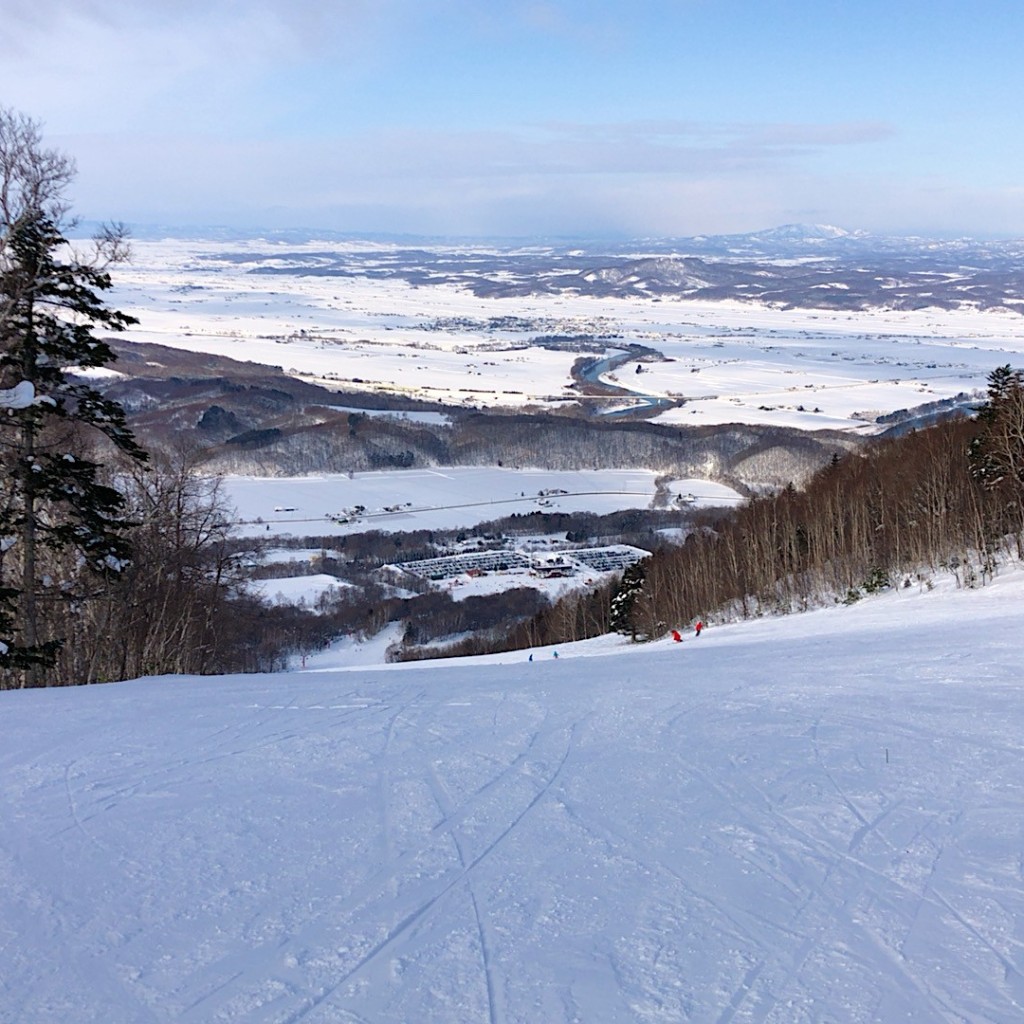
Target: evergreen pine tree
pixel 61 531
pixel 622 604
pixel 997 453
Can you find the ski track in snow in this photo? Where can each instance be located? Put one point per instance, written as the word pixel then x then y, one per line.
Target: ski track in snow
pixel 819 818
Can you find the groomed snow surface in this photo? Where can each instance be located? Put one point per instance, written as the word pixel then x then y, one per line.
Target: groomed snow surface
pixel 811 819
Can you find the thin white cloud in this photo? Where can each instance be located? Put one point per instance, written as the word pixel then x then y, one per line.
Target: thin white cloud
pixel 310 22
pixel 584 150
pixel 180 63
pixel 631 178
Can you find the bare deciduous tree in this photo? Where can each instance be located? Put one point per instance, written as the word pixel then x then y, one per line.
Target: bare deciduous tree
pixel 33 178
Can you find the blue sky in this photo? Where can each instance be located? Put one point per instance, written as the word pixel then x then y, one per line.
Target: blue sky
pixel 531 118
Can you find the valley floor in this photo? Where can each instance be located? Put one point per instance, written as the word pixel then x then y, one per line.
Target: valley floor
pixel 816 818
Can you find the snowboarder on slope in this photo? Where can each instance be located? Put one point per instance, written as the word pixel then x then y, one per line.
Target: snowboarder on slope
pixel 698 627
pixel 677 636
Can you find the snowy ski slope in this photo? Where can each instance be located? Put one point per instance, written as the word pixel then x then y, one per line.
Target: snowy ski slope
pixel 817 818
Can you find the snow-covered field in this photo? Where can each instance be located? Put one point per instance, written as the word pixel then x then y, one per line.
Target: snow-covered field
pixel 811 819
pixel 445 498
pixel 297 589
pixel 735 362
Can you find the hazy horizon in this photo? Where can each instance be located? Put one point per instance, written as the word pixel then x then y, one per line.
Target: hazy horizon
pixel 302 233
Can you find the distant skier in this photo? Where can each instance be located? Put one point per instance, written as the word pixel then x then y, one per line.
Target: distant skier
pixel 698 627
pixel 554 654
pixel 677 636
pixel 530 658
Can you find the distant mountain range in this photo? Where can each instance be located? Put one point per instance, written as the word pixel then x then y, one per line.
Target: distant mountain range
pixel 785 235
pixel 795 265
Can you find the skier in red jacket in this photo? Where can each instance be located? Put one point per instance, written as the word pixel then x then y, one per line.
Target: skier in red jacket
pixel 698 627
pixel 677 636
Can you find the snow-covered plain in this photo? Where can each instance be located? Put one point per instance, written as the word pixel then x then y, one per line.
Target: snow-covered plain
pixel 811 819
pixel 732 361
pixel 297 589
pixel 443 498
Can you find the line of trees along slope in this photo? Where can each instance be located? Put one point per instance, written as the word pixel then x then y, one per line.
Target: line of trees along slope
pixel 947 498
pixel 950 497
pixel 734 452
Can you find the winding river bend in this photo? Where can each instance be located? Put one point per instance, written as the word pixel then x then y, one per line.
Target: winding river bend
pixel 588 377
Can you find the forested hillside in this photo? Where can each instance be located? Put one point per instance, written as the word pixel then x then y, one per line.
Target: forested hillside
pixel 254 420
